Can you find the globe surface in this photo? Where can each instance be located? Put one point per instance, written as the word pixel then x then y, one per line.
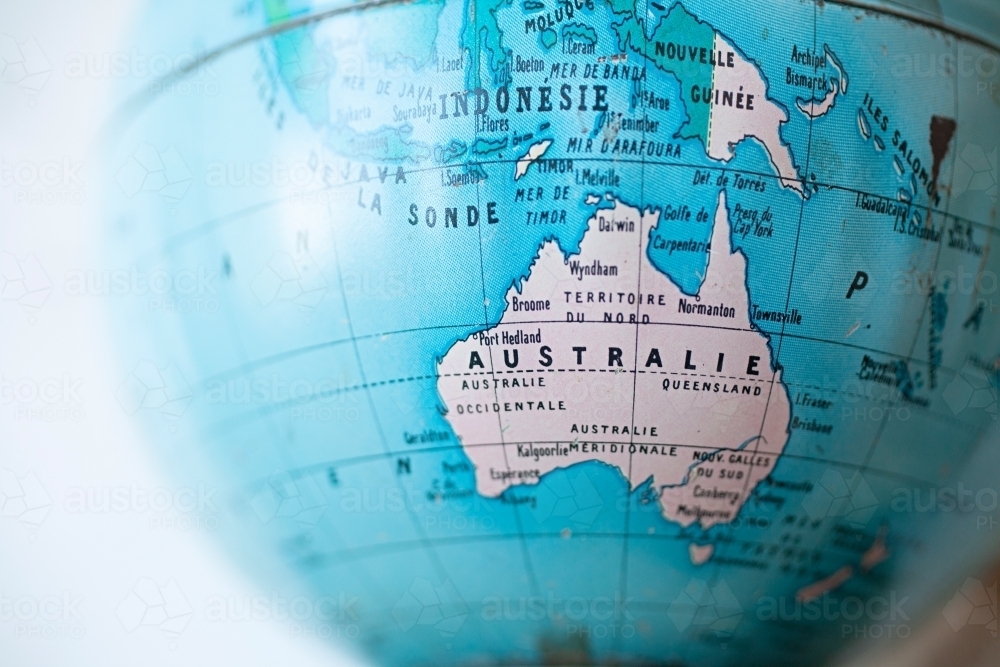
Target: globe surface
pixel 574 332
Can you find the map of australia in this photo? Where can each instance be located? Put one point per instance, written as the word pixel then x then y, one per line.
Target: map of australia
pixel 599 356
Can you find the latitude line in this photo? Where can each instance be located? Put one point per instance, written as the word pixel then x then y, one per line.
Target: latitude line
pixel 192 234
pixel 318 395
pixel 229 423
pixel 350 554
pixel 361 459
pixel 308 349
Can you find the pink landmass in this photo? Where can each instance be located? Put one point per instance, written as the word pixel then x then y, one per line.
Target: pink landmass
pixel 747 113
pixel 553 383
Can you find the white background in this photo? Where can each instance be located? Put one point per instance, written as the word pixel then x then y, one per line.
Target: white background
pixel 62 581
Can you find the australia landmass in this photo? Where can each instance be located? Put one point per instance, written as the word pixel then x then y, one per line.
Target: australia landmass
pixel 600 357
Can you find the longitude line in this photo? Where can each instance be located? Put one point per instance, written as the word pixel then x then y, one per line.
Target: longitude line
pixel 623 571
pixel 516 509
pixel 428 547
pixel 927 304
pixel 717 569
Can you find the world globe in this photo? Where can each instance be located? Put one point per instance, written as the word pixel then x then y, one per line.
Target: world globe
pixel 574 332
